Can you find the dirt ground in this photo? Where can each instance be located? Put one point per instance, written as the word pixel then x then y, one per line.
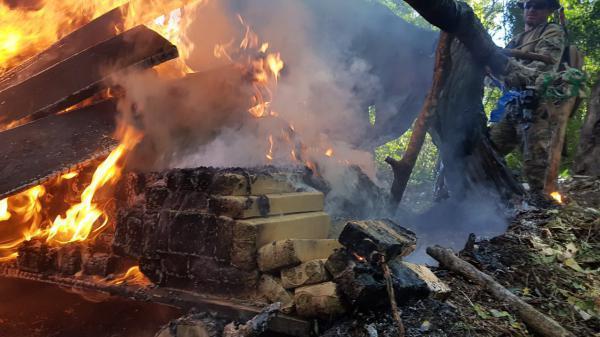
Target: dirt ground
pixel 550 258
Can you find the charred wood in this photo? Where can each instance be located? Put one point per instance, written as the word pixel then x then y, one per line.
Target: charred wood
pixel 38 151
pixel 459 130
pixel 92 33
pixel 84 74
pixel 370 237
pixel 254 327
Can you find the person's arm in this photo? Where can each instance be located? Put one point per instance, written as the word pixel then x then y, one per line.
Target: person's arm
pixel 551 44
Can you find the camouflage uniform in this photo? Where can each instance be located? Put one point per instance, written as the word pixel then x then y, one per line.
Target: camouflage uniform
pixel 545 39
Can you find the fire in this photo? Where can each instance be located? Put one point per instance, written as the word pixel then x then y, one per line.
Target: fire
pixel 132 276
pixel 265 68
pixel 269 154
pixel 80 220
pixel 556 196
pixel 329 152
pixel 4 213
pixel 70 175
pixel 54 19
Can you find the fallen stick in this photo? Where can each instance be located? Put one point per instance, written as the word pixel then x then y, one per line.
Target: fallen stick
pixel 389 285
pixel 537 321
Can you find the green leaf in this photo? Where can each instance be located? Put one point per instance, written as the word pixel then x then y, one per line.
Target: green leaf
pixel 571 263
pixel 481 312
pixel 499 314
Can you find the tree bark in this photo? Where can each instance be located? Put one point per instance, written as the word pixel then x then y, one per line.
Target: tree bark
pixel 587 160
pixel 402 169
pixel 459 19
pixel 540 323
pixel 459 130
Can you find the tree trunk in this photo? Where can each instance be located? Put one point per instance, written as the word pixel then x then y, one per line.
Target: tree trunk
pixel 459 19
pixel 459 130
pixel 587 161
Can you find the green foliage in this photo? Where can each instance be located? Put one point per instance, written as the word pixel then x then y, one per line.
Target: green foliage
pixel 424 171
pixel 505 19
pixel 406 12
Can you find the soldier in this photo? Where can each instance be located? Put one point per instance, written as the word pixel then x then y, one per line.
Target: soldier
pixel 533 135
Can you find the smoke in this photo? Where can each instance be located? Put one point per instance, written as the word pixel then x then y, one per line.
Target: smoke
pixel 321 99
pixel 450 222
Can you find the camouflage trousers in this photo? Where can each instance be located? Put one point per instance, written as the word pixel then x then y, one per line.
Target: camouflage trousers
pixel 534 144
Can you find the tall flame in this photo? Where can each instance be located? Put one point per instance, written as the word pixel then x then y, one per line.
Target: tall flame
pixel 80 220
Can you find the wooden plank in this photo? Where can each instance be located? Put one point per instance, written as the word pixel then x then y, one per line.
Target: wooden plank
pixel 227 308
pixel 84 74
pixel 35 152
pixel 100 29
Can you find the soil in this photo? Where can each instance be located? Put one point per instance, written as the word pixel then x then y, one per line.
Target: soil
pixel 550 258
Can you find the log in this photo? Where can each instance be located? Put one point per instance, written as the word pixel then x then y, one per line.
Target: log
pixel 36 152
pixel 402 169
pixel 540 323
pixel 83 75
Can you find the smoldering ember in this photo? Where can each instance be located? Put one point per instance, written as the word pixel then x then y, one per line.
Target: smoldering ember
pixel 192 168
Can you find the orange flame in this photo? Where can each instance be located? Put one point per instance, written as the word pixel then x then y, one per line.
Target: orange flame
pixel 556 196
pixel 329 152
pixel 80 220
pixel 4 213
pixel 269 155
pixel 133 276
pixel 20 39
pixel 70 175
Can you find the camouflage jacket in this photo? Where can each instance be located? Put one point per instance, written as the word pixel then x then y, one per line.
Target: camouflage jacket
pixel 545 39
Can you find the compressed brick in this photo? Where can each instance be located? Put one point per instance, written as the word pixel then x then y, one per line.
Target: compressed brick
pixel 292 252
pixel 35 256
pixel 206 270
pixel 312 225
pixel 175 265
pixel 240 207
pixel 271 288
pixel 68 259
pixel 319 300
pixel 100 264
pixel 307 273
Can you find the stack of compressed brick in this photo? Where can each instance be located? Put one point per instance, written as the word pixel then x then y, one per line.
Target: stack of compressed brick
pixel 295 275
pixel 202 228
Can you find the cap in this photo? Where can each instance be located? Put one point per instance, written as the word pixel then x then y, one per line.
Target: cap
pixel 552 4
